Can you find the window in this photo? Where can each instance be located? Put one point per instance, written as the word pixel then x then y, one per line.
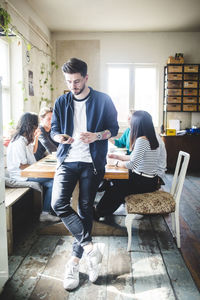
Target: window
pixel 146 91
pixel 133 86
pixel 11 72
pixel 118 86
pixel 5 74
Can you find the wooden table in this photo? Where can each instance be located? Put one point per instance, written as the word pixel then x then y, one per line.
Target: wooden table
pixel 45 169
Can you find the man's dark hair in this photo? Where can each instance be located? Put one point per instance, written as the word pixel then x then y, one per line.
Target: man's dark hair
pixel 142 125
pixel 26 127
pixel 75 65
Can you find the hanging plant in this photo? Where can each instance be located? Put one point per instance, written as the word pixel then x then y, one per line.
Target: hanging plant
pixel 5 21
pixel 23 90
pixel 45 76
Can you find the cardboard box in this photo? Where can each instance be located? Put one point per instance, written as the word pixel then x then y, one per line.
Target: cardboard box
pixel 172 60
pixel 174 69
pixel 189 107
pixel 173 107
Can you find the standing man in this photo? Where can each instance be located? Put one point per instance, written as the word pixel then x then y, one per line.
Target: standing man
pixel 89 119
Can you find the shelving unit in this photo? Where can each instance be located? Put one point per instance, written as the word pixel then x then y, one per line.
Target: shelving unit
pixel 181 89
pixel 181 94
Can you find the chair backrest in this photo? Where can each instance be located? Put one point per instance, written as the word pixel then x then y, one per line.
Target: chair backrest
pixel 179 175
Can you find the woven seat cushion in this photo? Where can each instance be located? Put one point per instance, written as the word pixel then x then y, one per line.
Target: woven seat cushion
pixel 158 202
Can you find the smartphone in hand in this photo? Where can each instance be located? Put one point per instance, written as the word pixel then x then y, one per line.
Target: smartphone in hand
pixel 65 136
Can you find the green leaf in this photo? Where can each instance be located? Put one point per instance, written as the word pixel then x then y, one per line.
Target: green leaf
pixel 5 20
pixel 28 46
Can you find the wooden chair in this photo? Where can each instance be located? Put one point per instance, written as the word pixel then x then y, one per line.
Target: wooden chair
pixel 159 202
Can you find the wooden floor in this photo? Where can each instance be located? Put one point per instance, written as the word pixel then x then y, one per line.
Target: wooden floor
pixel 154 269
pixel 190 223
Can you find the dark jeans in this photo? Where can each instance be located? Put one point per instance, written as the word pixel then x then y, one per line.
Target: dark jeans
pixel 65 180
pixel 47 191
pixel 115 194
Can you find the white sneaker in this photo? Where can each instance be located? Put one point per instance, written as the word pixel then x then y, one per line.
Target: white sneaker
pixel 46 217
pixel 71 277
pixel 94 259
pixel 138 217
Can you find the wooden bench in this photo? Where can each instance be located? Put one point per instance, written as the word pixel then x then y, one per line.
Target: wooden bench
pixel 12 195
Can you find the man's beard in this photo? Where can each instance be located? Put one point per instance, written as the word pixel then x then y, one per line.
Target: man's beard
pixel 80 91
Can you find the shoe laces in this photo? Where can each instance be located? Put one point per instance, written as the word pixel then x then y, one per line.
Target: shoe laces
pixel 71 270
pixel 90 265
pixel 92 261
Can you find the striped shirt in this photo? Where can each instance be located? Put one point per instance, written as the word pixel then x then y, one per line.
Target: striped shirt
pixel 143 159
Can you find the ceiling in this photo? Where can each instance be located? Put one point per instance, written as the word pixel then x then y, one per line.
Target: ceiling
pixel 119 15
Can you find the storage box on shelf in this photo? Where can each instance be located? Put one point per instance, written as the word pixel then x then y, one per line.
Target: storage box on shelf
pixel 177 60
pixel 181 88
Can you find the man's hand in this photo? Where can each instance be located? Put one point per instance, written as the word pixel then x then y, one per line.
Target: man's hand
pixel 88 137
pixel 61 139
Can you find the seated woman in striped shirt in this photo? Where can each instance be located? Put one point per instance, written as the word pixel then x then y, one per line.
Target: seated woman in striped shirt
pixel 142 164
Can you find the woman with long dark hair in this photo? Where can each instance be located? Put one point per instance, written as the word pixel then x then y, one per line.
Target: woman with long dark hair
pixel 20 154
pixel 142 164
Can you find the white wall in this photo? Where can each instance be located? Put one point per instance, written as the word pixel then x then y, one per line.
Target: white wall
pixel 141 47
pixel 116 47
pixel 88 51
pixel 24 19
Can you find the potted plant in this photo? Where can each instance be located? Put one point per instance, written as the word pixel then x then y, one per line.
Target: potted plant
pixel 5 20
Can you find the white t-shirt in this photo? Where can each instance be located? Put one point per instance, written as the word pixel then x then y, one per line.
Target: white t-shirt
pixel 19 152
pixel 79 151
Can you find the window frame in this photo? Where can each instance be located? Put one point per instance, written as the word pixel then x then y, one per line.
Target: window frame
pixel 132 67
pixel 7 88
pixel 151 65
pixel 15 88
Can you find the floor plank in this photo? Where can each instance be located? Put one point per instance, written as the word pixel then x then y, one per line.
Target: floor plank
pixel 189 223
pixel 119 273
pixel 26 277
pixel 50 284
pixel 151 280
pixel 154 269
pixel 24 245
pixel 180 277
